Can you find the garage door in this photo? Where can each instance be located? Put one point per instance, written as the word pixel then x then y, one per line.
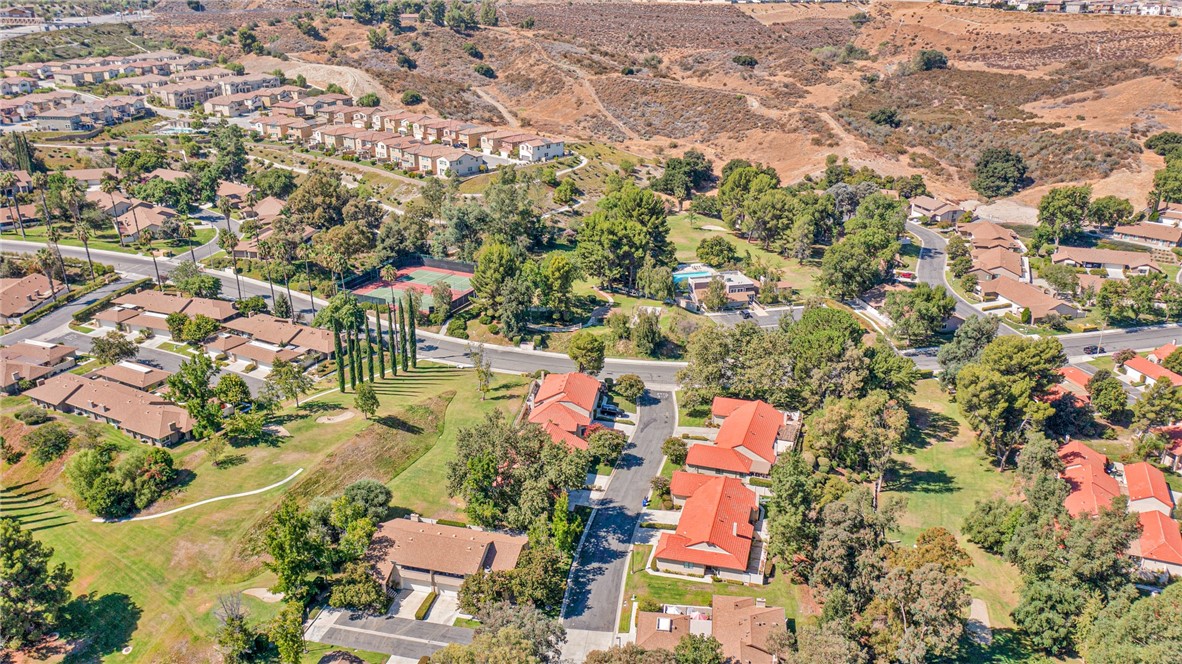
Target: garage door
pixel 422 586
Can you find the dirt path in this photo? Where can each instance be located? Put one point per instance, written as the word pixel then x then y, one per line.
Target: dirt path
pixel 355 82
pixel 581 77
pixel 484 94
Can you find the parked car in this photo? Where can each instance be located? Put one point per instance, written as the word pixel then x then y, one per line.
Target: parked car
pixel 1093 350
pixel 744 314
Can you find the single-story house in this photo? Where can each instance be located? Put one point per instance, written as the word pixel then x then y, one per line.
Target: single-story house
pixel 279 332
pixel 740 289
pixel 715 533
pixel 1141 370
pixel 988 235
pixel 565 405
pixel 20 295
pixel 1158 235
pixel 251 351
pixel 430 557
pixel 1171 457
pixel 997 262
pixel 742 625
pixel 1159 354
pixel 935 209
pixel 751 437
pixel 1019 296
pixel 1090 487
pixel 33 361
pixel 133 374
pixel 1158 549
pixel 1147 488
pixel 1170 213
pixel 1114 261
pixel 142 415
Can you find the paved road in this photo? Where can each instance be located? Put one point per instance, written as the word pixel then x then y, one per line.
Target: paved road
pixel 61 317
pixel 930 270
pixel 71 22
pixel 410 639
pixel 597 579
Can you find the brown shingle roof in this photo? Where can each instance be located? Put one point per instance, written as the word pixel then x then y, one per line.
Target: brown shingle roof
pixel 439 548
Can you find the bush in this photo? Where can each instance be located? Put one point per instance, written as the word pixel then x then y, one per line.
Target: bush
pixel 485 319
pixel 411 98
pixel 927 60
pixel 32 415
pixel 421 613
pixel 675 449
pixel 250 367
pixel 888 117
pixel 657 525
pixel 823 465
pixel 760 481
pixel 484 70
pixel 745 60
pixel 494 328
pixel 648 604
pixel 809 459
pixel 457 328
pixel 630 387
pixel 48 442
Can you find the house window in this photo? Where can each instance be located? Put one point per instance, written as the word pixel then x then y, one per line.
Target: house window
pixel 687 565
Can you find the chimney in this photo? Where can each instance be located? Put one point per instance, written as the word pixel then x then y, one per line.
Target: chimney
pixel 760 601
pixel 735 529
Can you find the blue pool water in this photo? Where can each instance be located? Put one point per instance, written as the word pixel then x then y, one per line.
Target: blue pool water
pixel 680 277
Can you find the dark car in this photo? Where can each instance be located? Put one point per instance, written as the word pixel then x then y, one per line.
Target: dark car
pixel 745 314
pixel 1093 350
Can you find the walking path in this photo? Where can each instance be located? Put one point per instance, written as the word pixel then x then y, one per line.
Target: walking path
pixel 204 502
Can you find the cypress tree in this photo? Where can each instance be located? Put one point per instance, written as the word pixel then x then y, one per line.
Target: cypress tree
pixel 393 339
pixel 378 339
pixel 402 332
pixel 353 359
pixel 369 349
pixel 336 346
pixel 414 315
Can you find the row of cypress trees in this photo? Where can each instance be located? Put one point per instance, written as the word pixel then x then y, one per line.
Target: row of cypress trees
pixel 363 345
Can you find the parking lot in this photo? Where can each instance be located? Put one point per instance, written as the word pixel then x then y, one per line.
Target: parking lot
pixel 404 639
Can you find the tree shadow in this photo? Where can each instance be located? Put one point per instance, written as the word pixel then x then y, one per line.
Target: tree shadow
pixel 315 407
pixel 99 625
pixel 1007 647
pixel 927 427
pixel 230 460
pixel 394 422
pixel 905 478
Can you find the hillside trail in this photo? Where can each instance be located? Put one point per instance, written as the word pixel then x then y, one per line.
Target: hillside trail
pixel 484 94
pixel 585 83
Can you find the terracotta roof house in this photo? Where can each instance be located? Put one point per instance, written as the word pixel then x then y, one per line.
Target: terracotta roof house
pixel 934 209
pixel 272 330
pixel 142 415
pixel 1141 370
pixel 135 375
pixel 1157 235
pixel 752 435
pixel 19 296
pixel 1171 457
pixel 567 402
pixel 412 554
pixel 1090 487
pixel 1112 260
pixel 33 361
pixel 997 262
pixel 743 624
pixel 715 533
pixel 988 235
pixel 267 209
pixel 1159 547
pixel 1075 376
pixel 1019 296
pixel 1147 488
pixel 1159 354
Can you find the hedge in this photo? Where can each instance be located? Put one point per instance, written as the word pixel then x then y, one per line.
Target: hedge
pixel 86 313
pixel 78 292
pixel 658 526
pixel 760 481
pixel 449 522
pixel 421 613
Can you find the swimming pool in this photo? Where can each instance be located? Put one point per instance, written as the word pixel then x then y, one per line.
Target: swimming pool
pixel 680 277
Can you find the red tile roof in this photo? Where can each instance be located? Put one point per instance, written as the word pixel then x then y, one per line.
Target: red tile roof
pixel 722 407
pixel 703 455
pixel 566 403
pixel 752 426
pixel 1152 371
pixel 685 484
pixel 1164 351
pixel 715 527
pixel 1075 376
pixel 1146 481
pixel 577 388
pixel 1091 488
pixel 1160 538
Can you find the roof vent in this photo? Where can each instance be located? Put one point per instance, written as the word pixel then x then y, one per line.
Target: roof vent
pixel 664 625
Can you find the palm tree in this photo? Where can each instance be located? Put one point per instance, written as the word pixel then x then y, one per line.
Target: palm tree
pixel 54 236
pixel 306 252
pixel 267 254
pixel 82 232
pixel 388 273
pixel 41 183
pixel 185 232
pixel 225 206
pixel 109 185
pixel 8 182
pixel 145 240
pixel 45 260
pixel 227 240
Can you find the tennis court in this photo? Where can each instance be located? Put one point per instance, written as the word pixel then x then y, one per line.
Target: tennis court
pixel 421 279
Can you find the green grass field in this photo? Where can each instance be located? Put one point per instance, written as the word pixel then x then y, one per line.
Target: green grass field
pixel 107 240
pixel 156 582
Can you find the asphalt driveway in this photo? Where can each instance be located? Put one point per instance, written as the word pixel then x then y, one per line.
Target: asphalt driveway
pixel 400 637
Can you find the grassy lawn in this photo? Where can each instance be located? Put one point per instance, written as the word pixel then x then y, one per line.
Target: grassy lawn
pixel 465 622
pixel 318 652
pixel 1103 362
pixel 691 417
pixel 942 480
pixel 107 240
pixel 422 488
pixel 668 468
pixel 687 230
pixel 158 581
pixel 910 253
pixel 639 583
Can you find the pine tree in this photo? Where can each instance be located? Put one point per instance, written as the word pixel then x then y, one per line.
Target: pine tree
pixel 378 339
pixel 393 339
pixel 336 346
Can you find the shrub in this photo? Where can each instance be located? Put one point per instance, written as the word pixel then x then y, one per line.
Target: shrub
pixel 823 465
pixel 1123 355
pixel 648 604
pixel 494 328
pixel 48 442
pixel 810 459
pixel 32 415
pixel 457 328
pixel 411 98
pixel 660 485
pixel 485 319
pixel 745 60
pixel 421 613
pixel 250 367
pixel 630 387
pixel 484 70
pixel 927 60
pixel 675 449
pixel 888 117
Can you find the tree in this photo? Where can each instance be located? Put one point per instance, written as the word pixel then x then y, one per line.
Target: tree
pixel 606 445
pixel 496 265
pixel 1145 630
pixel 507 645
pixel 483 367
pixel 927 60
pixel 488 12
pixel 357 589
pixel 379 41
pixel 34 592
pixel 411 98
pixel 545 633
pixel 965 348
pixel 586 350
pixel 287 633
pixel 698 649
pixel 1020 358
pixel 48 442
pixel 919 313
pixel 859 433
pixel 1062 211
pixel 293 553
pixel 646 333
pixel 558 275
pixel 1061 277
pixel 289 379
pixel 1110 211
pixel 999 172
pixel 715 298
pixel 232 389
pixel 372 496
pixel 113 347
pixel 235 639
pixel 630 387
pixel 999 408
pixel 992 523
pixel 191 386
pixel 1158 406
pixel 366 400
pixel 199 328
pixel 1108 395
pixel 717 251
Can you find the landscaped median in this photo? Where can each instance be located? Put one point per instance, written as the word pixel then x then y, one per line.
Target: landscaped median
pixel 86 313
pixel 425 607
pixel 88 287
